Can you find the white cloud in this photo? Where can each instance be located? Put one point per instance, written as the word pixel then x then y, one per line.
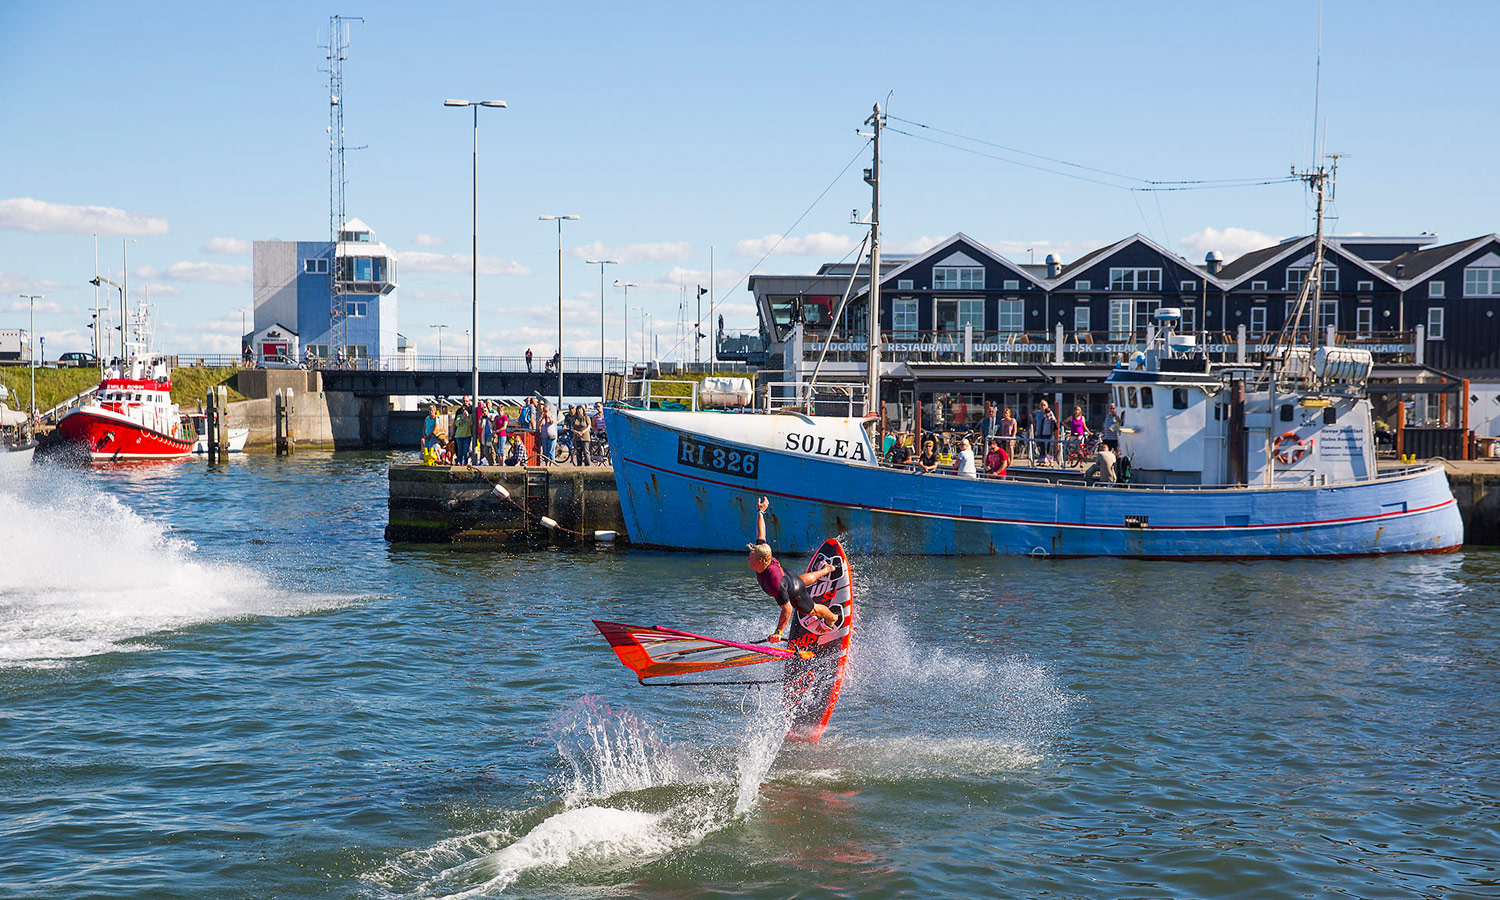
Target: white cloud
pixel 663 251
pixel 27 214
pixel 419 295
pixel 156 288
pixel 42 306
pixel 1231 242
pixel 821 243
pixel 421 262
pixel 22 284
pixel 914 245
pixel 429 240
pixel 212 273
pixel 227 246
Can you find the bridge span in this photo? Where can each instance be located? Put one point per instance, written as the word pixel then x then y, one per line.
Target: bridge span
pixel 385 383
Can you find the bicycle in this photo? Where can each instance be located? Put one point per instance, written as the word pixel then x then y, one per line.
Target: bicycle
pixel 1080 451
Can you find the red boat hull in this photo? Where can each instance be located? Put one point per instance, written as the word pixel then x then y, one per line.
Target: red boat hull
pixel 111 438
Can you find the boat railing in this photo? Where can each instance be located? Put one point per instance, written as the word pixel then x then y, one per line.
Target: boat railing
pixel 821 398
pixel 661 394
pixel 75 400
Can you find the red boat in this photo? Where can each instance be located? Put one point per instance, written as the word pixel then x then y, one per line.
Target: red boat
pixel 130 418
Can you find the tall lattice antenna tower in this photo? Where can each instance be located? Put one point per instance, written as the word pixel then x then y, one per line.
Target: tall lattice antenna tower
pixel 338 49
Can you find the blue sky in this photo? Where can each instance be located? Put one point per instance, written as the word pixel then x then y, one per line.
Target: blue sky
pixel 670 128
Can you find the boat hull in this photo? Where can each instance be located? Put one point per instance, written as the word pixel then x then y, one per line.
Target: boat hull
pixel 677 505
pixel 237 439
pixel 109 437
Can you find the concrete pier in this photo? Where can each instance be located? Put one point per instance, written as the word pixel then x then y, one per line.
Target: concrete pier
pixel 1476 487
pixel 458 505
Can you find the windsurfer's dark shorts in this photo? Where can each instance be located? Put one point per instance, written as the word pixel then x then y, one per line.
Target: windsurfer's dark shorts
pixel 793 591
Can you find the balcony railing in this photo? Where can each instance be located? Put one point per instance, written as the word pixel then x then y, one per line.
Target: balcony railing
pixel 1033 348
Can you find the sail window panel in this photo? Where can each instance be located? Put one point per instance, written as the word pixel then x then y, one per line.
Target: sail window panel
pixel 1011 316
pixel 957 278
pixel 1481 282
pixel 1135 279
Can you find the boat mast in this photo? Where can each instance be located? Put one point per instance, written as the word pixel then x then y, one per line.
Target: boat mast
pixel 872 356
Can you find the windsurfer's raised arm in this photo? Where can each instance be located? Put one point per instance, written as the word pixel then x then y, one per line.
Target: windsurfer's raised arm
pixel 761 506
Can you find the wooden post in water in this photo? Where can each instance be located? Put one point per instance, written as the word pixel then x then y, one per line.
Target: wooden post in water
pixel 286 438
pixel 211 412
pixel 221 421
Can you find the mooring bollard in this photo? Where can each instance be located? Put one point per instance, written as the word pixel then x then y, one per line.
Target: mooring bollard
pixel 211 415
pixel 286 438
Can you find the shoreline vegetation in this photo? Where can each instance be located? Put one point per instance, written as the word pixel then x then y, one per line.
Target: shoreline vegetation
pixel 53 386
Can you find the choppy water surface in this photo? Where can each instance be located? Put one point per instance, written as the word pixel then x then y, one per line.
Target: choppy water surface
pixel 224 683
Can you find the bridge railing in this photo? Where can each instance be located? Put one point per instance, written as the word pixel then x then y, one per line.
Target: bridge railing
pixel 447 362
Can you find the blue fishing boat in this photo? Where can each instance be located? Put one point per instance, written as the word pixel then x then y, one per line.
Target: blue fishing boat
pixel 1214 460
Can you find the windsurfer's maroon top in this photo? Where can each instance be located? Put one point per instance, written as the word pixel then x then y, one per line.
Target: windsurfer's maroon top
pixel 770 579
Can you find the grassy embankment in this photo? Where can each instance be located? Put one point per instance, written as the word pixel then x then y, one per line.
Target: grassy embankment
pixel 53 386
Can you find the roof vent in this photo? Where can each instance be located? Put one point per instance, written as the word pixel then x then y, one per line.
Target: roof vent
pixel 1054 265
pixel 1213 262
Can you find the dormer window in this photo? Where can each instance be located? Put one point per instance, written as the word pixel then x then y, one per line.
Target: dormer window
pixel 1295 277
pixel 1482 282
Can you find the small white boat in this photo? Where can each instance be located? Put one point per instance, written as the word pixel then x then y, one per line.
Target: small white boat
pixel 237 436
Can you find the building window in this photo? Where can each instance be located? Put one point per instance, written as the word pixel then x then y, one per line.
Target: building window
pixel 903 284
pixel 1083 284
pixel 1146 401
pixel 315 266
pixel 1434 323
pixel 357 309
pixel 1012 284
pixel 1179 398
pixel 1147 280
pixel 1189 320
pixel 957 278
pixel 1482 282
pixel 1365 286
pixel 1187 287
pixel 1081 316
pixel 1145 314
pixel 1259 286
pixel 904 317
pixel 1436 290
pixel 1295 277
pixel 318 350
pixel 1119 319
pixel 358 351
pixel 1257 321
pixel 1012 316
pixel 1328 315
pixel 971 313
pixel 1364 320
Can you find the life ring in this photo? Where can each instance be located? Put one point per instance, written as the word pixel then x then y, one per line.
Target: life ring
pixel 1289 448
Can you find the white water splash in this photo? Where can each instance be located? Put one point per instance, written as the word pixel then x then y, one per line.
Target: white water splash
pixel 83 574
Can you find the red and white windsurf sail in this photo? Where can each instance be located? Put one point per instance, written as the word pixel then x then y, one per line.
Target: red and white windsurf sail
pixel 653 651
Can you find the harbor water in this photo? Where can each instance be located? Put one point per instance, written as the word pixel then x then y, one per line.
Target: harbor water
pixel 222 682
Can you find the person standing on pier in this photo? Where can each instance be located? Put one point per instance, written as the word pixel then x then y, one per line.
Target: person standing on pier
pixel 547 431
pixel 463 435
pixel 528 359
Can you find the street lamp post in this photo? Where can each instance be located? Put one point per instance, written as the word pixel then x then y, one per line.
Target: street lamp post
pixel 31 353
pixel 559 220
pixel 625 325
pixel 440 344
pixel 473 354
pixel 601 263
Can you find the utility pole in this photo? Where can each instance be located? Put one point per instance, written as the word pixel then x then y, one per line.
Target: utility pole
pixel 713 347
pixel 872 359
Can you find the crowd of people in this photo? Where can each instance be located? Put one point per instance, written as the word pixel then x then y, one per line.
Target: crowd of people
pixel 1043 437
pixel 484 433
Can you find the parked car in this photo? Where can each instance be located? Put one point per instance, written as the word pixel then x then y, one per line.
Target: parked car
pixel 77 361
pixel 277 361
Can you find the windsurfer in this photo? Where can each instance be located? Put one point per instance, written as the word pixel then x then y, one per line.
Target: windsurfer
pixel 790 591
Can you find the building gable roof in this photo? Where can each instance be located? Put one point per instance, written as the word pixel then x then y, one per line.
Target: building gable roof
pixel 1289 252
pixel 939 255
pixel 1093 257
pixel 1422 264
